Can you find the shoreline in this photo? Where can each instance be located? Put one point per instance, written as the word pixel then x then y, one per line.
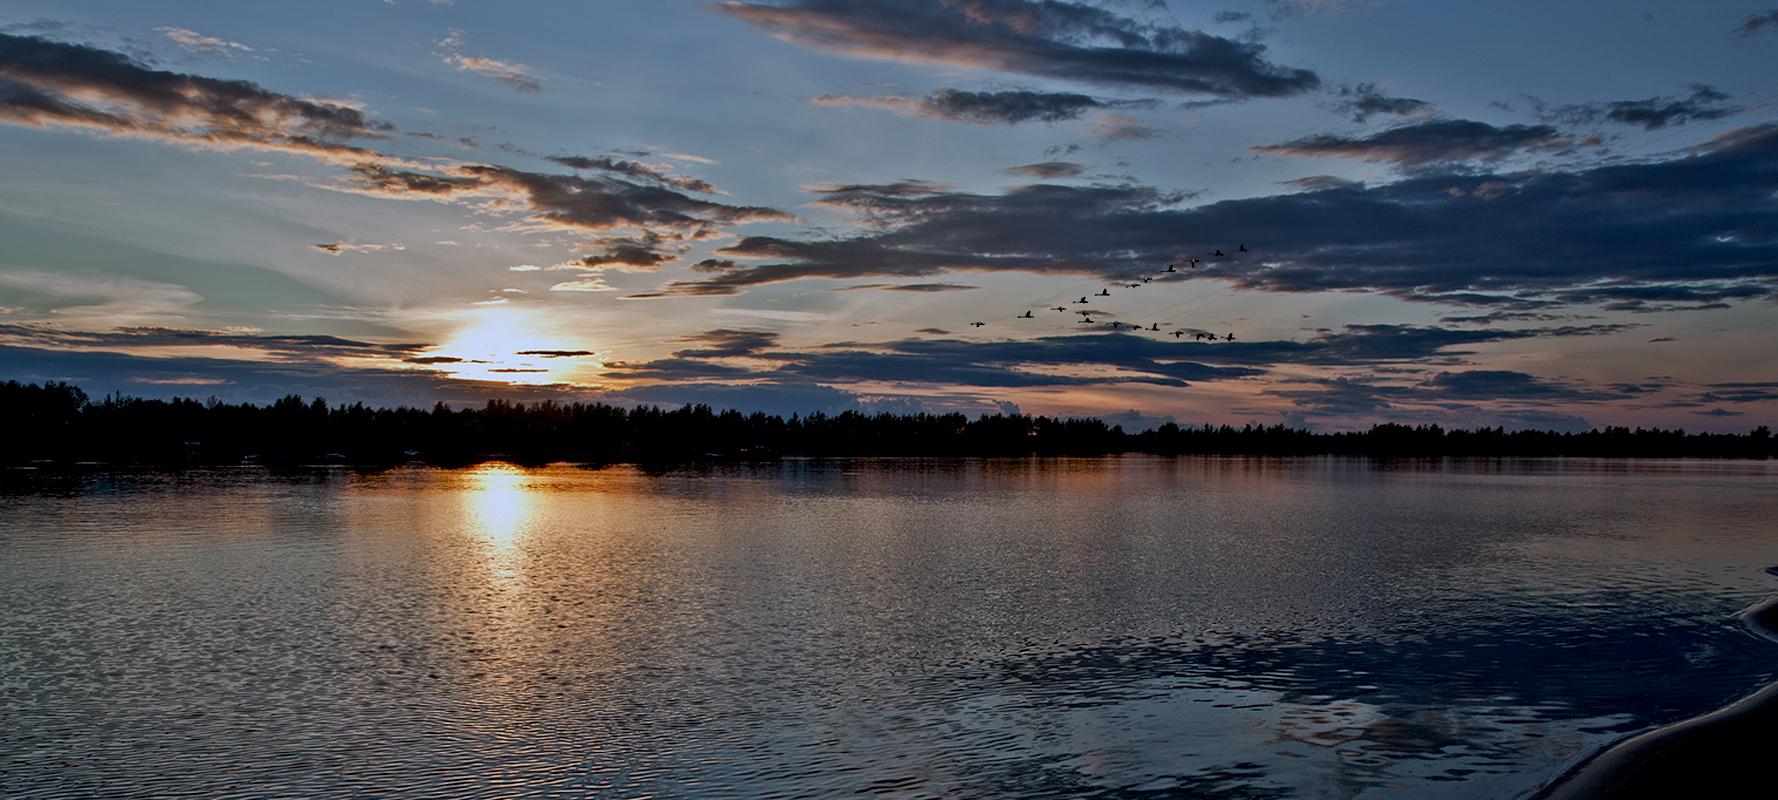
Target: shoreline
pixel 1717 754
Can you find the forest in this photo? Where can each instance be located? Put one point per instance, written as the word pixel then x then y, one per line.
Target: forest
pixel 58 423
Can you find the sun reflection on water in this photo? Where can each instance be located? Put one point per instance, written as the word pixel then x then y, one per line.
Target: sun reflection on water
pixel 499 504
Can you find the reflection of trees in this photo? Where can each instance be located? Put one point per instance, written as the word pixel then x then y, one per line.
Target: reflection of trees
pixel 58 421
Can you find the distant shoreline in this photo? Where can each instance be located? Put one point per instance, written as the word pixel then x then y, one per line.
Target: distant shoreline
pixel 58 423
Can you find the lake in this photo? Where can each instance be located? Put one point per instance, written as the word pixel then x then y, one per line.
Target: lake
pixel 1121 627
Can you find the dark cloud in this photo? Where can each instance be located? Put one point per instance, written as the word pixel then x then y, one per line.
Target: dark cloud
pixel 908 287
pixel 1517 398
pixel 1758 23
pixel 556 353
pixel 981 108
pixel 1704 103
pixel 1427 142
pixel 725 343
pixel 1101 358
pixel 1315 183
pixel 1053 39
pixel 52 83
pixel 1047 170
pixel 1488 384
pixel 45 336
pixel 1720 412
pixel 1363 100
pixel 1740 393
pixel 1690 230
pixel 635 170
pixel 597 203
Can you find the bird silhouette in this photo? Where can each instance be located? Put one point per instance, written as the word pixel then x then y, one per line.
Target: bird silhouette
pixel 1146 280
pixel 1177 334
pixel 1195 263
pixel 1104 293
pixel 1082 300
pixel 978 324
pixel 1170 267
pixel 1156 328
pixel 1115 324
pixel 1242 248
pixel 1218 254
pixel 1087 320
pixel 1230 337
pixel 1027 316
pixel 1061 308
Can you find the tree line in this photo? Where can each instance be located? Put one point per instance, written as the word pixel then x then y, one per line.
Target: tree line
pixel 59 422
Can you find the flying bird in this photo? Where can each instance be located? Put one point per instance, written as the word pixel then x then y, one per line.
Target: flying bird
pixel 1218 254
pixel 1170 267
pixel 1027 316
pixel 1082 300
pixel 1177 334
pixel 1242 248
pixel 1102 293
pixel 978 324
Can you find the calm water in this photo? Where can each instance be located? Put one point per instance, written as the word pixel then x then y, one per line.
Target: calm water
pixel 1117 628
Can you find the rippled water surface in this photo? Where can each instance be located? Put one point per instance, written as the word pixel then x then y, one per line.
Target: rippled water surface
pixel 1120 628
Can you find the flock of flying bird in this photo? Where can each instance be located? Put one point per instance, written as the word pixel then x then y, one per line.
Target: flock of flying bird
pixel 1086 316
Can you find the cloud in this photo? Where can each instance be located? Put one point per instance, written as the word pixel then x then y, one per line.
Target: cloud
pixel 1427 142
pixel 1315 183
pixel 518 76
pixel 909 287
pixel 1101 359
pixel 661 217
pixel 1691 229
pixel 635 170
pixel 726 343
pixel 1125 127
pixel 1363 100
pixel 336 248
pixel 193 42
pixel 981 108
pixel 144 337
pixel 1052 40
pixel 1047 170
pixel 45 83
pixel 1704 103
pixel 1758 23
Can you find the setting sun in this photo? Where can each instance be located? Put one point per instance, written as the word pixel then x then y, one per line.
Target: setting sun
pixel 503 345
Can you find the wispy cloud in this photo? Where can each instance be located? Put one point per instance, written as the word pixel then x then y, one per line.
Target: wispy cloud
pixel 518 76
pixel 1364 100
pixel 981 108
pixel 45 83
pixel 1055 40
pixel 193 42
pixel 1427 142
pixel 1758 23
pixel 1704 103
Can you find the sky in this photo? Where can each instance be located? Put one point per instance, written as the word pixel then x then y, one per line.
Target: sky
pixel 1319 213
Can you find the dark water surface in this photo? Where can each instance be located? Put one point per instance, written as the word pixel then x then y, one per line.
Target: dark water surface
pixel 1126 627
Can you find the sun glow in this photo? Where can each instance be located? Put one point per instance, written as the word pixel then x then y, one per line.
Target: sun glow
pixel 503 345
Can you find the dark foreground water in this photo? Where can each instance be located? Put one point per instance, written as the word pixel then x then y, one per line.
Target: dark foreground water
pixel 1112 628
